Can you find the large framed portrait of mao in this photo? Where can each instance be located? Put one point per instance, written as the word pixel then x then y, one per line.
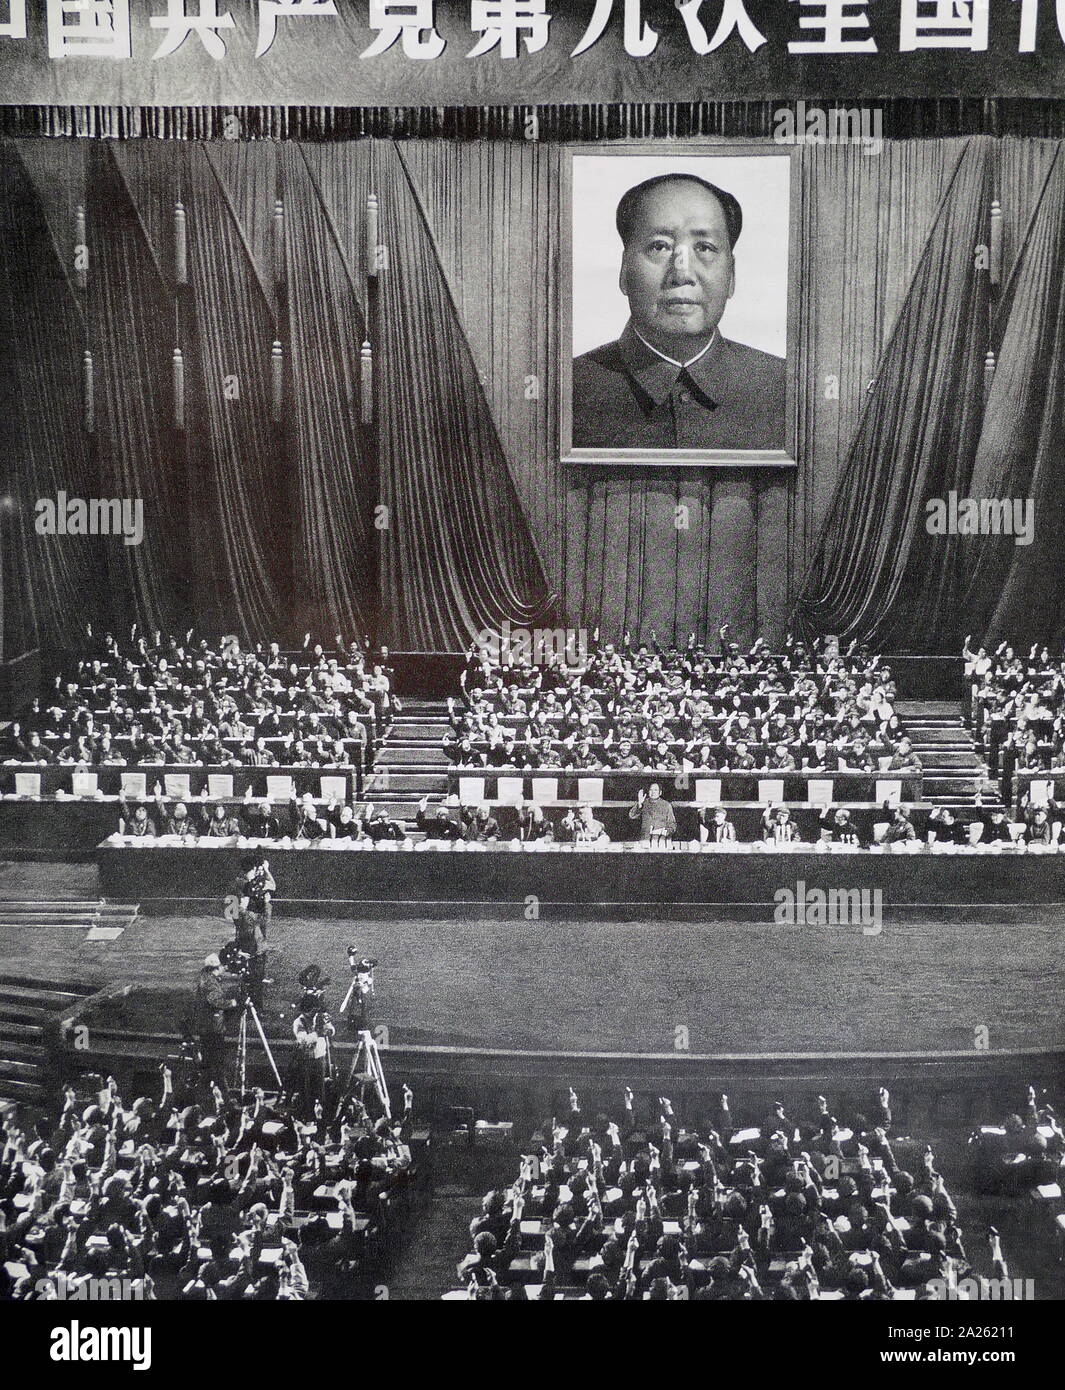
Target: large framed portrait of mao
pixel 678 306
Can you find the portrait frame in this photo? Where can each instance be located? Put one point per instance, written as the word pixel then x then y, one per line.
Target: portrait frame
pixel 655 458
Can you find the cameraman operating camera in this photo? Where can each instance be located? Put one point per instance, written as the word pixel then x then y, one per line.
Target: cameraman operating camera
pixel 211 1006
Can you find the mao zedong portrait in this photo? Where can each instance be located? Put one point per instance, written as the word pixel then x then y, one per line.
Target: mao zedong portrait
pixel 672 380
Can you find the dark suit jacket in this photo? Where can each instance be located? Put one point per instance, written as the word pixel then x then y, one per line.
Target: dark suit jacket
pixel 626 396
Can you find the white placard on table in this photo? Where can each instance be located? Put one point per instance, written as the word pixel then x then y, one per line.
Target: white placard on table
pixel 84 783
pixel 510 790
pixel 279 788
pixel 333 788
pixel 708 791
pixel 134 784
pixel 590 789
pixel 1038 792
pixel 770 789
pixel 27 784
pixel 544 789
pixel 471 790
pixel 819 791
pixel 219 785
pixel 177 785
pixel 888 789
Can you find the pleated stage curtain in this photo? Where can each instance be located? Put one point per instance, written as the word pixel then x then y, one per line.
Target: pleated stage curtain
pixel 904 117
pixel 47 583
pixel 335 467
pixel 236 462
pixel 457 556
pixel 878 574
pixel 132 323
pixel 261 527
pixel 268 528
pixel 495 218
pixel 1017 592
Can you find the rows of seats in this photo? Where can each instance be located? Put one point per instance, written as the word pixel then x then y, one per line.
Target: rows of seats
pixel 810 730
pixel 1020 1158
pixel 341 782
pixel 1017 710
pixel 661 1206
pixel 121 750
pixel 183 702
pixel 181 718
pixel 810 727
pixel 754 788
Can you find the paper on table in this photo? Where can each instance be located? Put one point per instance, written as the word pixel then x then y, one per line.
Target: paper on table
pixel 134 784
pixel 888 789
pixel 708 791
pixel 819 791
pixel 545 789
pixel 770 789
pixel 471 790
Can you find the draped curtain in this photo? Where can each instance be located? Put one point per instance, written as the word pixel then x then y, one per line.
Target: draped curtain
pixel 236 465
pixel 457 555
pixel 878 574
pixel 904 118
pixel 334 454
pixel 260 527
pixel 1017 592
pixel 927 432
pixel 46 582
pixel 132 332
pixel 269 529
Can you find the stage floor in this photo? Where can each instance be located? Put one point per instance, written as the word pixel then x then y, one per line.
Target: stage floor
pixel 571 986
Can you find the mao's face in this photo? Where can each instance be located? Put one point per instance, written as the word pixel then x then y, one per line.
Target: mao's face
pixel 677 270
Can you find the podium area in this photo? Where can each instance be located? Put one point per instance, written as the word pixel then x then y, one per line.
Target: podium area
pixel 614 882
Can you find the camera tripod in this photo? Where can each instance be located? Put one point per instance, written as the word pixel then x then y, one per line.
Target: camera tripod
pixel 248 1010
pixel 366 1069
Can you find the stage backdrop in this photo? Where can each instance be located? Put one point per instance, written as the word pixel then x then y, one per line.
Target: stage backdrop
pixel 267 527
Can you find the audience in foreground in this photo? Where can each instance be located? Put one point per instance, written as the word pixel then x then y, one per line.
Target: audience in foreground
pixel 794 1207
pixel 231 1199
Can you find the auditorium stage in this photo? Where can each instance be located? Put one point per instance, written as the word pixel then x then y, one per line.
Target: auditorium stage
pixel 622 882
pixel 503 1015
pixel 502 1012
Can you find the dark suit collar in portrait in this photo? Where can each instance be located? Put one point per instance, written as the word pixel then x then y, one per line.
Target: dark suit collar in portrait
pixel 711 375
pixel 625 394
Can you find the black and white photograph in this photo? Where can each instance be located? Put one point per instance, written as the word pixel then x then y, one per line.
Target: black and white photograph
pixel 658 376
pixel 532 672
